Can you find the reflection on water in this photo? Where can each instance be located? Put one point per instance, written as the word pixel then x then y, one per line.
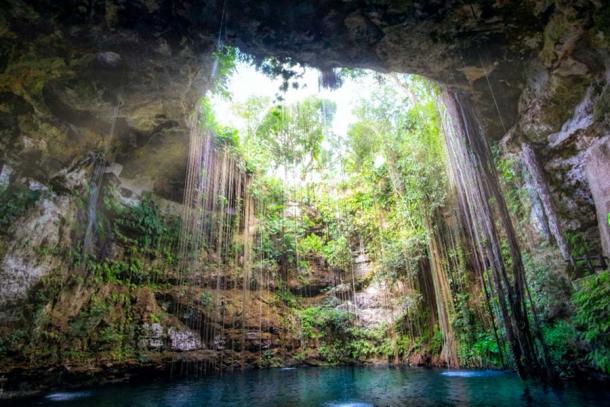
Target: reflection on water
pixel 472 373
pixel 65 396
pixel 346 386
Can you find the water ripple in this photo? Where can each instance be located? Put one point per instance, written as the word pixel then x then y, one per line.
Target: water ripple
pixel 67 396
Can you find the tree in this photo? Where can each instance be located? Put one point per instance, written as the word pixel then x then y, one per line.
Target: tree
pixel 292 135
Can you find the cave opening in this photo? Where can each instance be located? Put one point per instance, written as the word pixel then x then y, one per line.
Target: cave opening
pixel 391 200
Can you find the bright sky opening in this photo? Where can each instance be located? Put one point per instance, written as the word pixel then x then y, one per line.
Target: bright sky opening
pixel 247 82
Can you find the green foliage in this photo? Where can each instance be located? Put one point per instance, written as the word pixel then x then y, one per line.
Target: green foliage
pixel 285 297
pixel 577 244
pixel 592 302
pixel 483 351
pixel 511 180
pixel 107 324
pixel 269 359
pixel 312 244
pixel 436 343
pixel 145 235
pixel 601 108
pixel 562 341
pixel 89 318
pixel 225 60
pixel 132 270
pixel 285 68
pixel 291 137
pixel 351 73
pixel 205 299
pixel 140 224
pixel 398 257
pixel 330 328
pixel 223 135
pixel 368 343
pixel 579 250
pixel 15 201
pixel 550 290
pixel 9 344
pixel 333 333
pixel 144 228
pixel 395 160
pixel 316 322
pixel 337 253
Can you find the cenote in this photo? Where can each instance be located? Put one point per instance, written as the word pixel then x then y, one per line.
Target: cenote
pixel 259 203
pixel 335 387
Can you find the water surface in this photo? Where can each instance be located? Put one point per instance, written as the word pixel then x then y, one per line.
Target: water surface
pixel 345 386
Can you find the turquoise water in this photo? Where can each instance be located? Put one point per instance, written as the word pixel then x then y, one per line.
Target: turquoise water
pixel 354 387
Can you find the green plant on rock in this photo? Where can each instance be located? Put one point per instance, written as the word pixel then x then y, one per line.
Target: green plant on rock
pixel 366 343
pixel 337 253
pixel 329 330
pixel 144 226
pixel 132 270
pixel 285 297
pixel 12 343
pixel 311 245
pixel 436 342
pixel 482 351
pixel 205 299
pixel 577 243
pixel 269 359
pixel 15 201
pixel 561 338
pixel 592 302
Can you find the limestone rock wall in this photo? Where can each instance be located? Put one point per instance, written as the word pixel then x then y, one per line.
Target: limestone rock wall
pixel 597 169
pixel 24 263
